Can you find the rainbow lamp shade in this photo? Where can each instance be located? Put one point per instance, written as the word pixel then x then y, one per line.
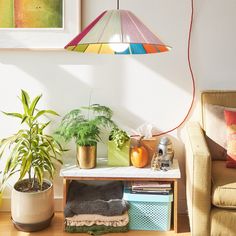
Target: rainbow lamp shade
pixel 117 32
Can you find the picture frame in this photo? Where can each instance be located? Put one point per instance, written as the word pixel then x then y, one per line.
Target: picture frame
pixel 45 39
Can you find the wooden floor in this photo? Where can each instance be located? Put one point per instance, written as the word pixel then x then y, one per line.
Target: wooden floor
pixel 56 228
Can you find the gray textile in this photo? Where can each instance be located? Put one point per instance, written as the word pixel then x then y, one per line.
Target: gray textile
pixel 95 199
pixel 107 208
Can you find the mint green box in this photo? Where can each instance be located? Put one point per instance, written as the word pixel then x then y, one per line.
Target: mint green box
pixel 118 157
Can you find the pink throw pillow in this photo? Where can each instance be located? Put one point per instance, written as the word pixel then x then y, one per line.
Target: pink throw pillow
pixel 230 118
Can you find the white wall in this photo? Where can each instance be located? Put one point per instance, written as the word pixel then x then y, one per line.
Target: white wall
pixel 149 88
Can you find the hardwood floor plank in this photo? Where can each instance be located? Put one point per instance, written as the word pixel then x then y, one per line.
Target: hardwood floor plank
pixel 56 228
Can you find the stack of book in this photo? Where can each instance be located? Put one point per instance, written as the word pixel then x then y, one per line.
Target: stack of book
pixel 150 187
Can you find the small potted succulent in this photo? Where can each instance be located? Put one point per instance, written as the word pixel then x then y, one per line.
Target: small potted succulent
pixel 118 148
pixel 84 125
pixel 34 153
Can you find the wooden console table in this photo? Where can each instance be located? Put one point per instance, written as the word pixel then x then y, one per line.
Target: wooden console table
pixel 103 172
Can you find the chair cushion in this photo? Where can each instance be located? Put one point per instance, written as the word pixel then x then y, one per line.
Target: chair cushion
pixel 223 222
pixel 230 118
pixel 223 185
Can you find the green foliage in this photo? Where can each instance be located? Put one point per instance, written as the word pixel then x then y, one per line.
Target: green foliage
pixel 31 150
pixel 85 127
pixel 119 136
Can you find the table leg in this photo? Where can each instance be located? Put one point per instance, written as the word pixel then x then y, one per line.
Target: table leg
pixel 65 191
pixel 176 206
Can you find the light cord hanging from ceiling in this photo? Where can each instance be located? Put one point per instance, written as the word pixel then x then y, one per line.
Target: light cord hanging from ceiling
pixel 192 78
pixel 192 75
pixel 118 5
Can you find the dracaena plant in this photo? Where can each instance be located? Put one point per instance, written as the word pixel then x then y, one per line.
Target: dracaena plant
pixel 32 151
pixel 84 124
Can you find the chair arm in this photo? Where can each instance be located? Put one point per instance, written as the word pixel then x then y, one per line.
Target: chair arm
pixel 198 180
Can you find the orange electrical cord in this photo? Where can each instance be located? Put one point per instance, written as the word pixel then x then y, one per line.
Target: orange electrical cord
pixel 192 77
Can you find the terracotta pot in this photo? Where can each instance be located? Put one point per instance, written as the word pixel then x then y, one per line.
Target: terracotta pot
pixel 86 156
pixel 151 146
pixel 32 211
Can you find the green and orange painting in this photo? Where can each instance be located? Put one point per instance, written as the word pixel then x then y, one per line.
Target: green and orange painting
pixel 31 13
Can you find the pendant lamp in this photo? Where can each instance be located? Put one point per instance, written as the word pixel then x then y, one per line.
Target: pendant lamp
pixel 117 32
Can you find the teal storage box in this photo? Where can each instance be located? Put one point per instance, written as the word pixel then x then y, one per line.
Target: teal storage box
pixel 149 211
pixel 118 157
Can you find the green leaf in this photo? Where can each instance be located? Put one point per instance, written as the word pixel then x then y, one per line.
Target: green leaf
pixel 44 153
pixel 34 104
pixel 39 174
pixel 44 126
pixel 25 101
pixel 100 110
pixel 56 159
pixel 8 142
pixel 26 165
pixel 51 146
pixel 103 121
pixel 42 112
pixel 49 170
pixel 18 115
pixel 25 117
pixel 119 136
pixel 7 166
pixel 3 145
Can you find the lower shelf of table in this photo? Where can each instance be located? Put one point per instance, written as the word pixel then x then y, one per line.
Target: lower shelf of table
pixel 174 215
pixel 56 227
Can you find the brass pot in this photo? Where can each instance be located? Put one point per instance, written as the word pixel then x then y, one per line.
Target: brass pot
pixel 86 156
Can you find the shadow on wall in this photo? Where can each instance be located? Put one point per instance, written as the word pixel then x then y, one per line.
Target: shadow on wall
pixel 66 90
pixel 67 83
pixel 69 79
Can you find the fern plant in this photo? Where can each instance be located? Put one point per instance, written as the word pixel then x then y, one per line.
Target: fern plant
pixel 85 124
pixel 32 151
pixel 119 137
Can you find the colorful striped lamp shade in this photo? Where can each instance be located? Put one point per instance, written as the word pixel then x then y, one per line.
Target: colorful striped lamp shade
pixel 117 32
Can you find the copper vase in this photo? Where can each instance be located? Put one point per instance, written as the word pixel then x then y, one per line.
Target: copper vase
pixel 86 156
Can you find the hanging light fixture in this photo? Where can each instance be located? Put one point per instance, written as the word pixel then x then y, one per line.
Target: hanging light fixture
pixel 117 32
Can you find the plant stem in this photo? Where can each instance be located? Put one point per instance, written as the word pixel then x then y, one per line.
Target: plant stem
pixel 32 186
pixel 29 173
pixel 30 140
pixel 90 98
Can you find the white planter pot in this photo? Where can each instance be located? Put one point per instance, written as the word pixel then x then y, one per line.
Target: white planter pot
pixel 32 211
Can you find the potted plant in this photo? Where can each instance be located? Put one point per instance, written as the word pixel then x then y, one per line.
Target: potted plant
pixel 118 148
pixel 33 153
pixel 85 128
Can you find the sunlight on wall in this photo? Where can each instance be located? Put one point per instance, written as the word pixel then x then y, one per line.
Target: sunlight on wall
pixel 153 98
pixel 156 88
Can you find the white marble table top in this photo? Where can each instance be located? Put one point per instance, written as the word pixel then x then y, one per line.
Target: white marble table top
pixel 104 171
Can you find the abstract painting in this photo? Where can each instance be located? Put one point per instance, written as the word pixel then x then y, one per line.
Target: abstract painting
pixel 31 14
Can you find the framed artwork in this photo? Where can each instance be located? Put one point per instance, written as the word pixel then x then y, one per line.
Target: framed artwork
pixel 38 24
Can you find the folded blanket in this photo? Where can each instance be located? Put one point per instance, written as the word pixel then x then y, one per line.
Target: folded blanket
pixel 100 207
pixel 89 220
pixel 89 192
pixel 96 229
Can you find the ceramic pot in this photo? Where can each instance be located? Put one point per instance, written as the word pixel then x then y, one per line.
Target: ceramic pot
pixel 32 211
pixel 0 199
pixel 118 157
pixel 86 156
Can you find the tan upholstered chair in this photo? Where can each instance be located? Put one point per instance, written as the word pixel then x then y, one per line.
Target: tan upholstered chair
pixel 211 187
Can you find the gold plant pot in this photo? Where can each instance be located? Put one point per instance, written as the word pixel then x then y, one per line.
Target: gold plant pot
pixel 86 156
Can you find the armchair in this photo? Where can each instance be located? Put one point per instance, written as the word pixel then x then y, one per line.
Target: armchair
pixel 210 186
